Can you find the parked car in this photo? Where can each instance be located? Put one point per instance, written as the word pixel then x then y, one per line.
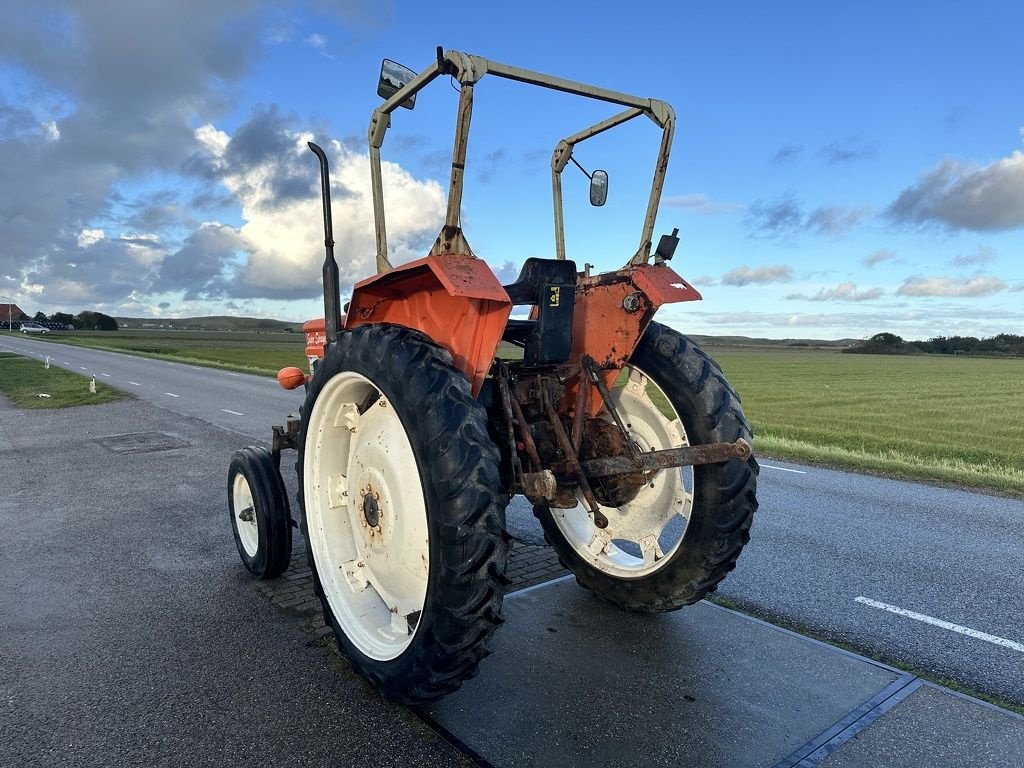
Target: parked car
pixel 34 328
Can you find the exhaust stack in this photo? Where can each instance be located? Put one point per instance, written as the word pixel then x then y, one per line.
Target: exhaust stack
pixel 332 291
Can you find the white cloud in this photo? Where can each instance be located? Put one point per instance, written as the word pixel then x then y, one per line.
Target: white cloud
pixel 744 275
pixel 700 203
pixel 283 236
pixel 89 237
pixel 959 196
pixel 879 256
pixel 983 255
pixel 316 41
pixel 974 287
pixel 842 292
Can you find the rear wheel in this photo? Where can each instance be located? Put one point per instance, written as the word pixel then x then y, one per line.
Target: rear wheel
pixel 402 510
pixel 679 535
pixel 260 518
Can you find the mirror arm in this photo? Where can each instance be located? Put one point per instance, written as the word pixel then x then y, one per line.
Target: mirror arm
pixel 561 157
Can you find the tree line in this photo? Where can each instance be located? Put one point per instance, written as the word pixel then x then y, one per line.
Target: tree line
pixel 1000 345
pixel 83 321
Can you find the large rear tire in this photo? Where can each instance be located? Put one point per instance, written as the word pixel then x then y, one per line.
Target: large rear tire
pixel 680 535
pixel 402 510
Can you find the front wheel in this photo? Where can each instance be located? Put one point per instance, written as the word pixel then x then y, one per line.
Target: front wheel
pixel 681 530
pixel 403 511
pixel 260 519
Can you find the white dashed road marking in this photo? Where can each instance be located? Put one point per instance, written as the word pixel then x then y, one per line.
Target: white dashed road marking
pixel 233 413
pixel 107 375
pixel 171 394
pixel 994 639
pixel 134 383
pixel 783 469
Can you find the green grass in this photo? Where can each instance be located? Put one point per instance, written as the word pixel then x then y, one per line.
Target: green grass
pixel 941 418
pixel 22 380
pixel 245 352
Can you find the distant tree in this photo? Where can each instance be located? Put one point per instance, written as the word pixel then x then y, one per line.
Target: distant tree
pixel 94 321
pixel 883 344
pixel 62 318
pixel 886 339
pixel 39 317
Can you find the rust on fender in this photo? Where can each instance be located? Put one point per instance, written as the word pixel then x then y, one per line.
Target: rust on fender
pixel 455 300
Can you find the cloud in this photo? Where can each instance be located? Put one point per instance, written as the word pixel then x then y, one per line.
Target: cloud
pixel 270 171
pixel 878 257
pixel 780 217
pixel 787 153
pixel 744 275
pixel 785 217
pixel 975 287
pixel 699 203
pixel 103 166
pixel 488 165
pixel 956 196
pixel 835 220
pixel 983 255
pixel 842 292
pixel 316 41
pixel 848 149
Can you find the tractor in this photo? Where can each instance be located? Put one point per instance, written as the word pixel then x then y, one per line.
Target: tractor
pixel 428 406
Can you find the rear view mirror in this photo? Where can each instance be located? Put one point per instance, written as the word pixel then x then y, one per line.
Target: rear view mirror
pixel 598 188
pixel 394 77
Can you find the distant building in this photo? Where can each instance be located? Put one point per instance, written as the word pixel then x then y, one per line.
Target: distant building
pixel 11 313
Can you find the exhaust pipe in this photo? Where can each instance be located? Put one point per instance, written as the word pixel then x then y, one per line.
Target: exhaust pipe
pixel 332 291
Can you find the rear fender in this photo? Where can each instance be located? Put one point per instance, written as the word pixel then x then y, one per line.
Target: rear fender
pixel 614 309
pixel 455 300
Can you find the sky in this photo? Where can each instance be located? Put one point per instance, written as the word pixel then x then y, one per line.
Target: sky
pixel 838 170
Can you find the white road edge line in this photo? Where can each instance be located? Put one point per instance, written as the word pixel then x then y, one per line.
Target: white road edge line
pixel 135 383
pixel 782 469
pixel 171 394
pixel 228 373
pixel 994 639
pixel 105 374
pixel 83 368
pixel 233 413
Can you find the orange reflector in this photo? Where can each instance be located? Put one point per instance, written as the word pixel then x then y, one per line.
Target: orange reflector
pixel 291 377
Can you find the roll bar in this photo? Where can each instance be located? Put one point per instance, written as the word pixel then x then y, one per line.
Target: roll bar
pixel 469 69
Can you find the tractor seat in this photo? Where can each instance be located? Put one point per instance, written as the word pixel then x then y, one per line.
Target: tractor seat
pixel 550 286
pixel 537 273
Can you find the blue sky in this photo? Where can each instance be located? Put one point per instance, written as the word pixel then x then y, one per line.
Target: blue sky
pixel 838 170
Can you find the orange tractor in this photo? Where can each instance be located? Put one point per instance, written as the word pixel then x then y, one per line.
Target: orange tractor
pixel 428 408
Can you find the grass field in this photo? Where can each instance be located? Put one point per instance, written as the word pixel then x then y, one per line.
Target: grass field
pixel 953 419
pixel 246 352
pixel 22 381
pixel 943 418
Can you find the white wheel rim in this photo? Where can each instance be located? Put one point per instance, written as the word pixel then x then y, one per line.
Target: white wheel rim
pixel 245 515
pixel 374 578
pixel 643 534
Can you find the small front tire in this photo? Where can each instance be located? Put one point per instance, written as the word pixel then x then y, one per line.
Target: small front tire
pixel 260 517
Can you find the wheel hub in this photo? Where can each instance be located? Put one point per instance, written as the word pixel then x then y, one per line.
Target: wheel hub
pixel 371 511
pixel 603 439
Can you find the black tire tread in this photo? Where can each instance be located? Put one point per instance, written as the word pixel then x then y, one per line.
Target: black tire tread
pixel 724 508
pixel 271 502
pixel 466 583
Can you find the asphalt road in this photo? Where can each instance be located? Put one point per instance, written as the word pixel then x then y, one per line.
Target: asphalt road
pixel 919 575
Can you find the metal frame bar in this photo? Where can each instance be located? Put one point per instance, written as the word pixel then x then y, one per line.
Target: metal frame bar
pixel 468 69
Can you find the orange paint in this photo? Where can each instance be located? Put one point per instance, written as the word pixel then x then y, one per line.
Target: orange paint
pixel 291 377
pixel 456 300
